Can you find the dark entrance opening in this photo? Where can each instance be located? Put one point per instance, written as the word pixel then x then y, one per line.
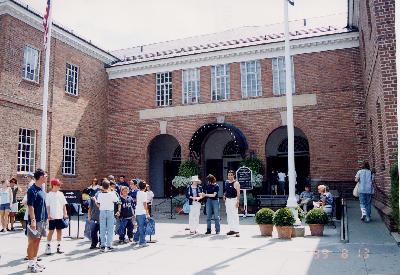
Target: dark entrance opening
pixel 277 156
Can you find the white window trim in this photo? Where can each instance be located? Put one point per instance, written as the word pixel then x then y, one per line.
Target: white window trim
pixel 273 82
pixel 33 152
pixel 77 79
pixel 169 103
pixel 38 65
pixel 245 93
pixel 197 86
pixel 63 156
pixel 227 76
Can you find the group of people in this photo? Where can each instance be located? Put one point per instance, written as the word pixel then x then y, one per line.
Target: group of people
pixel 8 204
pixel 196 194
pixel 307 200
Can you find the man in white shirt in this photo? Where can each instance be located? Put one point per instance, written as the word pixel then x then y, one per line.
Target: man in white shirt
pixel 57 211
pixel 281 182
pixel 142 214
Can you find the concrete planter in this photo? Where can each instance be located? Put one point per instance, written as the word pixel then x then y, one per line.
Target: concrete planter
pixel 266 229
pixel 284 232
pixel 317 229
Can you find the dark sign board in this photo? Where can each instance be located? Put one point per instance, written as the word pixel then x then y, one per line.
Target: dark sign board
pixel 72 196
pixel 244 177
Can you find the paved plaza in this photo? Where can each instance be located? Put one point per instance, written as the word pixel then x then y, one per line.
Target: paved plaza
pixel 371 250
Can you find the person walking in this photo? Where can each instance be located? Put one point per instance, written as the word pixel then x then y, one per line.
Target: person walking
pixel 37 219
pixel 231 198
pixel 212 204
pixel 365 191
pixel 194 193
pixel 105 201
pixel 142 214
pixel 6 198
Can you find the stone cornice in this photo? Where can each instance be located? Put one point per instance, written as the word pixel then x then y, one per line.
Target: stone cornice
pixel 34 20
pixel 300 46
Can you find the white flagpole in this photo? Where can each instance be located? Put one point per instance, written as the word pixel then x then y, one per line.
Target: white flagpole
pixel 43 143
pixel 291 202
pixel 397 32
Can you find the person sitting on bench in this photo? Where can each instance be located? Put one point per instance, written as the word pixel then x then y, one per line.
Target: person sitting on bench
pixel 326 199
pixel 305 199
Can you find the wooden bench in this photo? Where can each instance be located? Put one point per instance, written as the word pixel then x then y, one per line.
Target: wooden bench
pixel 275 201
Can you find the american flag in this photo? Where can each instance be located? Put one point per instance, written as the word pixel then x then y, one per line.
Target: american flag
pixel 46 22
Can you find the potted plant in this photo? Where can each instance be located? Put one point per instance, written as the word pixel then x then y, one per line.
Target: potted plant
pixel 187 169
pixel 20 216
pixel 178 202
pixel 284 221
pixel 301 214
pixel 316 220
pixel 264 219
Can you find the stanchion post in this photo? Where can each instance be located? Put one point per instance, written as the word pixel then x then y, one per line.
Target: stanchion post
pixel 79 210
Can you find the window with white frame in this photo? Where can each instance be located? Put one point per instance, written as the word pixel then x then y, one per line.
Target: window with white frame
pixel 164 89
pixel 69 155
pixel 71 79
pixel 30 69
pixel 279 76
pixel 191 86
pixel 250 72
pixel 220 82
pixel 26 150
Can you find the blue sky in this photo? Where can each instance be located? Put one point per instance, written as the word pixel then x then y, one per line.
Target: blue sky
pixel 125 23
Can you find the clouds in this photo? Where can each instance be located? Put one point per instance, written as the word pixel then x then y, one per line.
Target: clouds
pixel 126 23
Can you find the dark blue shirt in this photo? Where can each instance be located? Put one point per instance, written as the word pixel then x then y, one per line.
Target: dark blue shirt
pixel 36 198
pixel 126 207
pixel 211 189
pixel 230 191
pixel 133 195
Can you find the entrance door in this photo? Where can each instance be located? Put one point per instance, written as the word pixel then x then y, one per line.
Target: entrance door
pixel 171 169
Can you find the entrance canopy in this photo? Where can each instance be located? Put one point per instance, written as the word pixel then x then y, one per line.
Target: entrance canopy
pixel 239 142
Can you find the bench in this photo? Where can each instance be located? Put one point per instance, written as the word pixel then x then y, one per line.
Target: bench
pixel 271 201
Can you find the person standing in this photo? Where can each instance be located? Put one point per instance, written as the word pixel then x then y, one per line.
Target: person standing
pixel 150 197
pixel 14 205
pixel 281 182
pixel 105 201
pixel 212 204
pixel 274 182
pixel 125 215
pixel 94 216
pixel 94 187
pixel 231 198
pixel 194 193
pixel 142 214
pixel 6 198
pixel 37 219
pixel 365 191
pixel 57 211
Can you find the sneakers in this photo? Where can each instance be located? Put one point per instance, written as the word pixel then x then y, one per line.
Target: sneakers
pixel 34 269
pixel 40 265
pixel 92 247
pixel 59 250
pixel 110 249
pixel 48 249
pixel 208 232
pixel 143 245
pixel 102 249
pixel 363 217
pixel 121 242
pixel 2 230
pixel 367 219
pixel 231 233
pixel 217 233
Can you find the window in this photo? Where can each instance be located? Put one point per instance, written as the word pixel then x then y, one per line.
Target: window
pixel 164 89
pixel 251 78
pixel 69 155
pixel 191 86
pixel 26 150
pixel 220 83
pixel 31 64
pixel 71 79
pixel 279 76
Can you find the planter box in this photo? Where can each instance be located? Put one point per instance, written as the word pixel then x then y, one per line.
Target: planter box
pixel 266 229
pixel 317 229
pixel 284 232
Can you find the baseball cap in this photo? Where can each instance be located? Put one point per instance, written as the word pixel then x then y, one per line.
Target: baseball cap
pixel 55 182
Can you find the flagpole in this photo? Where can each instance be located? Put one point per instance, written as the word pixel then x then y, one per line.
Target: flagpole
pixel 43 139
pixel 291 202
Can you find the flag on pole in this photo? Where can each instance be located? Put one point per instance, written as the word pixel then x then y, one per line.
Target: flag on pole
pixel 291 2
pixel 46 23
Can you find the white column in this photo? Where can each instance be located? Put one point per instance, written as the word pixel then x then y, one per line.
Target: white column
pixel 43 139
pixel 291 202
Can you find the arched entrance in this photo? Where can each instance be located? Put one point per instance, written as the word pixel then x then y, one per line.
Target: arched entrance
pixel 218 147
pixel 276 151
pixel 164 160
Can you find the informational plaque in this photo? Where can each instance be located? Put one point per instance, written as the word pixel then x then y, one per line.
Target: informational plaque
pixel 72 196
pixel 244 177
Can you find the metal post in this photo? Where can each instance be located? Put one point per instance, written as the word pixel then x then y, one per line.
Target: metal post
pixel 291 202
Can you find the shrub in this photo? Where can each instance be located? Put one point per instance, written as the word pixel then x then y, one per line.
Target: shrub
pixel 188 169
pixel 301 213
pixel 394 197
pixel 265 216
pixel 317 216
pixel 180 182
pixel 284 217
pixel 21 213
pixel 255 164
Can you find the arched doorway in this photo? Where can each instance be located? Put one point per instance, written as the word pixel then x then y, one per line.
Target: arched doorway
pixel 218 147
pixel 164 160
pixel 276 151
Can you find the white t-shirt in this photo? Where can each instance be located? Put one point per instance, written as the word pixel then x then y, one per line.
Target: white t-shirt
pixel 107 200
pixel 281 176
pixel 56 201
pixel 150 196
pixel 141 197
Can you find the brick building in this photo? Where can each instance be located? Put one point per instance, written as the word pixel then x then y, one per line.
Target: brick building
pixel 214 98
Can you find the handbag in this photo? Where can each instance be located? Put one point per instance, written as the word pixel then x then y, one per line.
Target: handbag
pixel 355 190
pixel 87 232
pixel 150 227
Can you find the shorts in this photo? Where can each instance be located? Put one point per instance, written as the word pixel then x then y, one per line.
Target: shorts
pixel 5 206
pixel 41 230
pixel 56 224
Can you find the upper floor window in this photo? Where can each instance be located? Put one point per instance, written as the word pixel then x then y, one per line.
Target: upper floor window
pixel 279 76
pixel 164 89
pixel 191 86
pixel 71 79
pixel 220 82
pixel 26 150
pixel 251 78
pixel 31 64
pixel 69 155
